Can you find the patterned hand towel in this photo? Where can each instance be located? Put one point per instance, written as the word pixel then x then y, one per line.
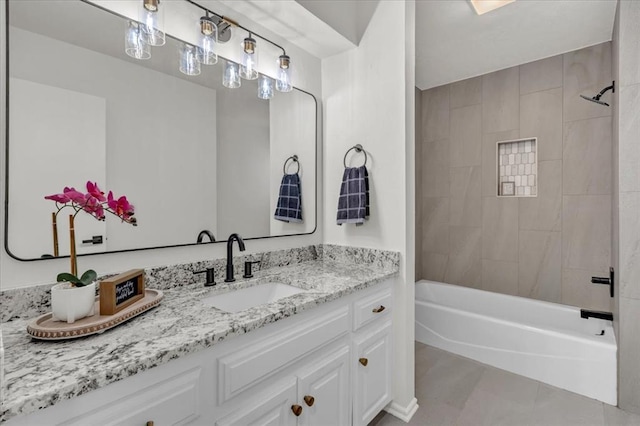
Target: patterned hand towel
pixel 289 208
pixel 353 203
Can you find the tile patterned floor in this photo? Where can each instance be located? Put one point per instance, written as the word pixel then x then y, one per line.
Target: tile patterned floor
pixel 453 390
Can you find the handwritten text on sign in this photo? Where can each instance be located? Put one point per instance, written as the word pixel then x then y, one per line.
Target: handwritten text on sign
pixel 126 290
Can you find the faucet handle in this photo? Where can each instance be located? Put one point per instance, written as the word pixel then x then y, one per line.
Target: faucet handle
pixel 210 276
pixel 247 268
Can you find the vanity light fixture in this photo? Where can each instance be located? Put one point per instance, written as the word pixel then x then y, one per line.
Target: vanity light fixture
pixel 265 87
pixel 208 40
pixel 248 69
pixel 283 84
pixel 134 42
pixel 152 20
pixel 214 29
pixel 231 75
pixel 483 6
pixel 189 64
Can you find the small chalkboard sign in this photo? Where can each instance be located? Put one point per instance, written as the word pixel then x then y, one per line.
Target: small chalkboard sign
pixel 116 293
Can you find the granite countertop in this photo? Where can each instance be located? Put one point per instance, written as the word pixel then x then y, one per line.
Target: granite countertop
pixel 39 374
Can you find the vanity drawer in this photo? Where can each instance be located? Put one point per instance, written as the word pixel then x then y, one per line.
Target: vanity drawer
pixel 375 306
pixel 244 368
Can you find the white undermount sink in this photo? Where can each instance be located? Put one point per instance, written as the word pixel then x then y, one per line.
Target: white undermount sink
pixel 245 298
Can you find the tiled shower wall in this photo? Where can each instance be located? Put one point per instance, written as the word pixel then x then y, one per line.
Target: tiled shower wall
pixel 545 247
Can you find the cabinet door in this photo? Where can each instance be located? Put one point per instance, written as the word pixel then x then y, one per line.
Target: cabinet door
pixel 372 364
pixel 323 390
pixel 273 407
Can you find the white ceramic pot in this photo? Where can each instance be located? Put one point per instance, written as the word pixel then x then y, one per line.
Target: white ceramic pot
pixel 72 303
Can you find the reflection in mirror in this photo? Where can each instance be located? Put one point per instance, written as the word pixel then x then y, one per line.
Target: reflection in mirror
pixel 190 154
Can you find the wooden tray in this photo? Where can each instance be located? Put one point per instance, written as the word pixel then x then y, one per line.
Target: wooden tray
pixel 46 328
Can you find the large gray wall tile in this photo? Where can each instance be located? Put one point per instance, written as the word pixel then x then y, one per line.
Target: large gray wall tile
pixel 544 212
pixel 541 117
pixel 435 113
pixel 629 138
pixel 587 157
pixel 578 290
pixel 490 159
pixel 435 168
pixel 501 100
pixel 466 197
pixel 465 266
pixel 434 266
pixel 499 276
pixel 586 232
pixel 540 270
pixel 466 92
pixel 629 348
pixel 435 225
pixel 629 276
pixel 541 75
pixel 466 136
pixel 500 229
pixel 586 72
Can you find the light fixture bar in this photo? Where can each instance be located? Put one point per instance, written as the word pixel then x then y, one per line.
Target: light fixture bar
pixel 483 6
pixel 235 24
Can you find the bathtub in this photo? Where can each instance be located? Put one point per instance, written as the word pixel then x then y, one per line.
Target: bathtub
pixel 544 341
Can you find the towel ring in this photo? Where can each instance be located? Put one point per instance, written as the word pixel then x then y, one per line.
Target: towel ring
pixel 358 148
pixel 293 158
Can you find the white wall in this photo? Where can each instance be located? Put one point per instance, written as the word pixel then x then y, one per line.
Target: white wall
pixel 243 164
pixel 159 155
pixel 14 273
pixel 369 99
pixel 290 134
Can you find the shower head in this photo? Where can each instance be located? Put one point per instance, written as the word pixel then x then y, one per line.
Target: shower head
pixel 596 98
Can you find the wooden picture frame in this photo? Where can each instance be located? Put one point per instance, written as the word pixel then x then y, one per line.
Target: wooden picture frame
pixel 116 293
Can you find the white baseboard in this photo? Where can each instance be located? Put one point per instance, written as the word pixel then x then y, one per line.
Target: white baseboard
pixel 403 413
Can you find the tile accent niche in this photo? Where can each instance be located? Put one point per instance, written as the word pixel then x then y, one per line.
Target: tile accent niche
pixel 517 168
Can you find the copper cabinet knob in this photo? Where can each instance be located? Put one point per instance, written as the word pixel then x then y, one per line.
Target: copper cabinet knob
pixel 378 309
pixel 150 423
pixel 297 409
pixel 309 400
pixel 364 361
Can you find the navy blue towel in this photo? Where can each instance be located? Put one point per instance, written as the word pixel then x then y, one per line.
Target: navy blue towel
pixel 353 203
pixel 289 208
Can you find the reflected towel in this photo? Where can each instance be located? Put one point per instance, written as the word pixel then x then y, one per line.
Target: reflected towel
pixel 289 208
pixel 353 203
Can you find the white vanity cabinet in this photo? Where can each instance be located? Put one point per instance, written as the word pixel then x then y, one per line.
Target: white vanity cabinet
pixel 305 370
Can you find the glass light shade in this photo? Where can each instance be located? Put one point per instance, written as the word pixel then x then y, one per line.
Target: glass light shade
pixel 265 87
pixel 134 44
pixel 283 82
pixel 249 70
pixel 189 64
pixel 208 41
pixel 152 19
pixel 231 76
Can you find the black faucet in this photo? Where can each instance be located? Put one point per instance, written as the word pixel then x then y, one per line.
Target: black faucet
pixel 202 234
pixel 585 313
pixel 232 238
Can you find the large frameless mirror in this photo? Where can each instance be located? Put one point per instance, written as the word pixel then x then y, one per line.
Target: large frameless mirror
pixel 190 154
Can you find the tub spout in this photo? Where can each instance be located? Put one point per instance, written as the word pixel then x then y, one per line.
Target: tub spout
pixel 585 313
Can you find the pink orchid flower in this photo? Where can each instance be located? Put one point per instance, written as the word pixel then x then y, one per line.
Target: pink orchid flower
pixel 92 188
pixel 92 206
pixel 75 196
pixel 121 206
pixel 58 198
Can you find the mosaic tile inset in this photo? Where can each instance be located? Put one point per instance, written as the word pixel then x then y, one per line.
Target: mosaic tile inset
pixel 517 163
